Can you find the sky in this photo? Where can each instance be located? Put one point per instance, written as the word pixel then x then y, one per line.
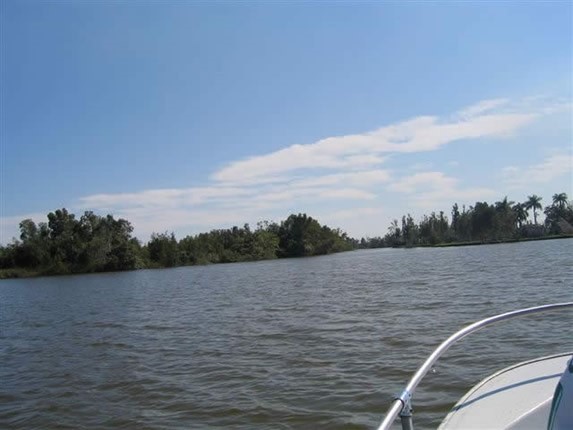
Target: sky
pixel 187 116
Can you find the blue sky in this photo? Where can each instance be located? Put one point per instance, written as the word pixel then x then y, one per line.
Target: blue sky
pixel 187 116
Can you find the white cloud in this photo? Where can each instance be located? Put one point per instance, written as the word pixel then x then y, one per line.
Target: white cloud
pixel 363 178
pixel 163 197
pixel 431 189
pixel 423 180
pixel 209 207
pixel 353 213
pixel 439 197
pixel 357 221
pixel 482 107
pixel 336 173
pixel 421 166
pixel 425 133
pixel 553 167
pixel 147 221
pixel 333 186
pixel 347 193
pixel 10 226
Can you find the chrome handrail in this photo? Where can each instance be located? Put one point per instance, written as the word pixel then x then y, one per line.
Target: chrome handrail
pixel 402 404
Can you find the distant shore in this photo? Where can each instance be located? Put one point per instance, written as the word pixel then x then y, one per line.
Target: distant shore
pixel 496 242
pixel 17 273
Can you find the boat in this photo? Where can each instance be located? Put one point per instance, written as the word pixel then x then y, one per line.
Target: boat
pixel 535 394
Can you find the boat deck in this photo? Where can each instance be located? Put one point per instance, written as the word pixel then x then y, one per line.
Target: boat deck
pixel 516 398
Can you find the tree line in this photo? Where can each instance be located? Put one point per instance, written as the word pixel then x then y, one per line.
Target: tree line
pixel 92 243
pixel 501 221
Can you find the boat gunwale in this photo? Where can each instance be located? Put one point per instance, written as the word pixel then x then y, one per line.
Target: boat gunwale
pixel 460 403
pixel 402 404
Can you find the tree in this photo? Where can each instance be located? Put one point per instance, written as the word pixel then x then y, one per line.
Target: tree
pixel 105 244
pixel 163 250
pixel 94 243
pixel 560 200
pixel 443 226
pixel 409 231
pixel 32 251
pixel 123 251
pixel 464 224
pixel 394 235
pixel 504 219
pixel 559 215
pixel 301 235
pixel 455 219
pixel 533 202
pixel 520 214
pixel 65 248
pixel 265 245
pixel 503 205
pixel 483 220
pixel 298 235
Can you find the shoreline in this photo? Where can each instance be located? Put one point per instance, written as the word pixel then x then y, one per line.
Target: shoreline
pixel 20 273
pixel 499 242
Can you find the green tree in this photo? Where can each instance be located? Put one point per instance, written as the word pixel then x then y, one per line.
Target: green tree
pixel 394 235
pixel 455 220
pixel 32 251
pixel 163 250
pixel 64 248
pixel 533 202
pixel 409 231
pixel 464 224
pixel 93 243
pixel 560 200
pixel 106 244
pixel 301 235
pixel 483 220
pixel 520 214
pixel 122 253
pixel 559 215
pixel 265 243
pixel 504 219
pixel 297 236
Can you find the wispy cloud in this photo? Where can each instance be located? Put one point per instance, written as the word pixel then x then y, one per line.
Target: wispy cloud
pixel 348 193
pixel 163 197
pixel 552 167
pixel 423 180
pixel 9 226
pixel 482 107
pixel 430 189
pixel 360 221
pixel 212 206
pixel 341 173
pixel 363 178
pixel 424 133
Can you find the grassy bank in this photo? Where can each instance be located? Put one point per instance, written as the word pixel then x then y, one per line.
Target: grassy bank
pixel 18 272
pixel 477 242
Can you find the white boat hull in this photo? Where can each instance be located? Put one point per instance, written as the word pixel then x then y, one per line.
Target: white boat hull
pixel 516 398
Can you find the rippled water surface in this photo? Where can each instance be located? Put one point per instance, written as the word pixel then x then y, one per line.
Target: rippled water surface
pixel 305 343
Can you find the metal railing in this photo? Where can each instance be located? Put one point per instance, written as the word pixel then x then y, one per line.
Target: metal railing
pixel 402 405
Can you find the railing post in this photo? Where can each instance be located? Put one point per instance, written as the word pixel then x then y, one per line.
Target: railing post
pixel 402 405
pixel 406 413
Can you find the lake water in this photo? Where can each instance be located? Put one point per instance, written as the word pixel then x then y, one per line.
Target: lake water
pixel 308 343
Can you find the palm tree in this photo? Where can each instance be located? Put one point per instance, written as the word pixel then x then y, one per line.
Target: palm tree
pixel 503 206
pixel 504 218
pixel 533 202
pixel 520 213
pixel 560 200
